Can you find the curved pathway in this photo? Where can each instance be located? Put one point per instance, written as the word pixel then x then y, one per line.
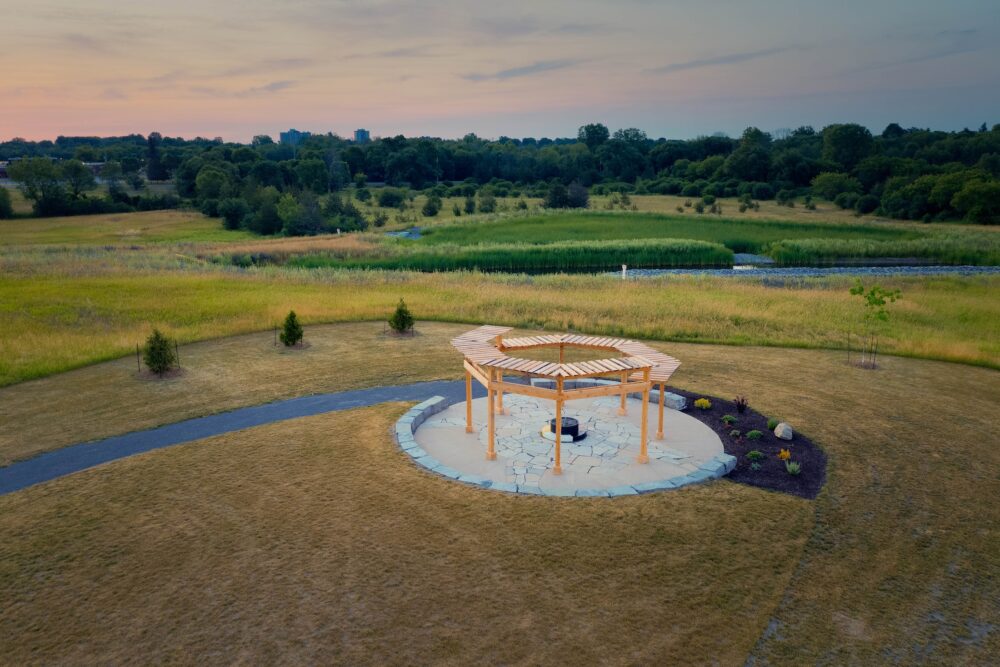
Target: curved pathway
pixel 75 458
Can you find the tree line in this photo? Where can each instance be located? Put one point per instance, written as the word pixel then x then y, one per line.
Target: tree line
pixel 913 173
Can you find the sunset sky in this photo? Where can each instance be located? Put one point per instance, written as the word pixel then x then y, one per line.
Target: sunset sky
pixel 235 68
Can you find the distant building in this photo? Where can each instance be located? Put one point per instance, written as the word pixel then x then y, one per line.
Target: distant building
pixel 293 137
pixel 362 136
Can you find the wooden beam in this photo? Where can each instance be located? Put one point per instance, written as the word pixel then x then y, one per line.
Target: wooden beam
pixel 557 470
pixel 500 393
pixel 526 390
pixel 659 431
pixel 491 453
pixel 605 390
pixel 475 372
pixel 622 410
pixel 468 402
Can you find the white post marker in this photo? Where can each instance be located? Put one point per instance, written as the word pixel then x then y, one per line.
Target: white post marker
pixel 624 271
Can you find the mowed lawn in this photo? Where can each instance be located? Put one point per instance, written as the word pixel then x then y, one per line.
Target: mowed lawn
pixel 118 229
pixel 736 234
pixel 316 541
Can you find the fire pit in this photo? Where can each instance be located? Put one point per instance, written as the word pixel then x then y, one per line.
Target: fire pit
pixel 570 427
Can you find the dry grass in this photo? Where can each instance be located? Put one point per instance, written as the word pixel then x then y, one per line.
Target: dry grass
pixel 113 398
pixel 117 229
pixel 315 541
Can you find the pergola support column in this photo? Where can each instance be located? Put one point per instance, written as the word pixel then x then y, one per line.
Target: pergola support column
pixel 491 453
pixel 557 469
pixel 622 410
pixel 643 444
pixel 468 402
pixel 500 394
pixel 659 431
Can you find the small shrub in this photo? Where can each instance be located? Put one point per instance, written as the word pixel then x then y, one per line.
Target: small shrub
pixel 159 353
pixel 755 455
pixel 784 455
pixel 401 320
pixel 680 209
pixel 741 404
pixel 522 205
pixel 743 208
pixel 687 204
pixel 703 404
pixel 431 206
pixel 735 433
pixel 793 468
pixel 291 330
pixel 708 199
pixel 755 434
pixel 699 207
pixel 772 424
pixel 729 419
pixel 456 211
pixel 755 466
pixel 391 198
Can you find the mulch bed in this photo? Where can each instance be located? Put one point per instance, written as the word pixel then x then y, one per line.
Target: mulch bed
pixel 772 474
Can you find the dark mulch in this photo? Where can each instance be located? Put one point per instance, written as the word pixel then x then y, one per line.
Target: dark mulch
pixel 772 474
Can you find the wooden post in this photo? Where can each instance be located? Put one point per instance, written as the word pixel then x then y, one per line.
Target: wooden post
pixel 643 450
pixel 622 411
pixel 659 431
pixel 500 394
pixel 557 470
pixel 177 354
pixel 468 402
pixel 491 453
pixel 562 351
pixel 138 362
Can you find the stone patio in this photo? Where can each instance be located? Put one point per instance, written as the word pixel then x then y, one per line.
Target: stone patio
pixel 604 463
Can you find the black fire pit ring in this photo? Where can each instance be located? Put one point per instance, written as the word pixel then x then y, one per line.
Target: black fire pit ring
pixel 570 427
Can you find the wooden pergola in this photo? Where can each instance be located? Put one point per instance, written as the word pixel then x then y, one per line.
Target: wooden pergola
pixel 636 368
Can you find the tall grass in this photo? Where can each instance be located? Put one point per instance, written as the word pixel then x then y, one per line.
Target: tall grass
pixel 965 248
pixel 67 318
pixel 566 256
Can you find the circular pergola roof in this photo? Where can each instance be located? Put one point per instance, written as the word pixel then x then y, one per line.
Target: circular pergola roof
pixel 486 347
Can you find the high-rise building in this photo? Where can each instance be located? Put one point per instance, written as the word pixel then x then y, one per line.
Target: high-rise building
pixel 293 137
pixel 362 136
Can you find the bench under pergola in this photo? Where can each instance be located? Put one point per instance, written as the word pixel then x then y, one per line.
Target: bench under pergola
pixel 635 369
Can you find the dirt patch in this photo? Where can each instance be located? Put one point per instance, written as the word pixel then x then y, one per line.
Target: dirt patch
pixel 772 474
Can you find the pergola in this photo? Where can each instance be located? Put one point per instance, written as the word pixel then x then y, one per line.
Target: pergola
pixel 635 369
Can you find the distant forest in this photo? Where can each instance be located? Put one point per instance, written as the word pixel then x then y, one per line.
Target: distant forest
pixel 914 174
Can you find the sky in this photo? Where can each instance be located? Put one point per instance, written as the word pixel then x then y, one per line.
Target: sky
pixel 676 69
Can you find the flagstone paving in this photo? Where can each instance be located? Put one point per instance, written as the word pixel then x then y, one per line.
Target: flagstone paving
pixel 604 463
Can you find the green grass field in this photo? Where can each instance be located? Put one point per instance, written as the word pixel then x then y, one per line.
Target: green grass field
pixel 117 229
pixel 737 235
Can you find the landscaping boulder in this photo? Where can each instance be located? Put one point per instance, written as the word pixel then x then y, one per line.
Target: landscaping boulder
pixel 783 431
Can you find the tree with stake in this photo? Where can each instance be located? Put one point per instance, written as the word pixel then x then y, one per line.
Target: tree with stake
pixel 159 354
pixel 875 300
pixel 291 330
pixel 401 320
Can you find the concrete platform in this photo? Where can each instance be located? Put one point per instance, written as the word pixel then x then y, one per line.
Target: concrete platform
pixel 602 464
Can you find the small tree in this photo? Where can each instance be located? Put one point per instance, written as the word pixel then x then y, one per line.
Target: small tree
pixel 401 320
pixel 6 208
pixel 291 330
pixel 159 354
pixel 470 204
pixel 431 206
pixel 875 300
